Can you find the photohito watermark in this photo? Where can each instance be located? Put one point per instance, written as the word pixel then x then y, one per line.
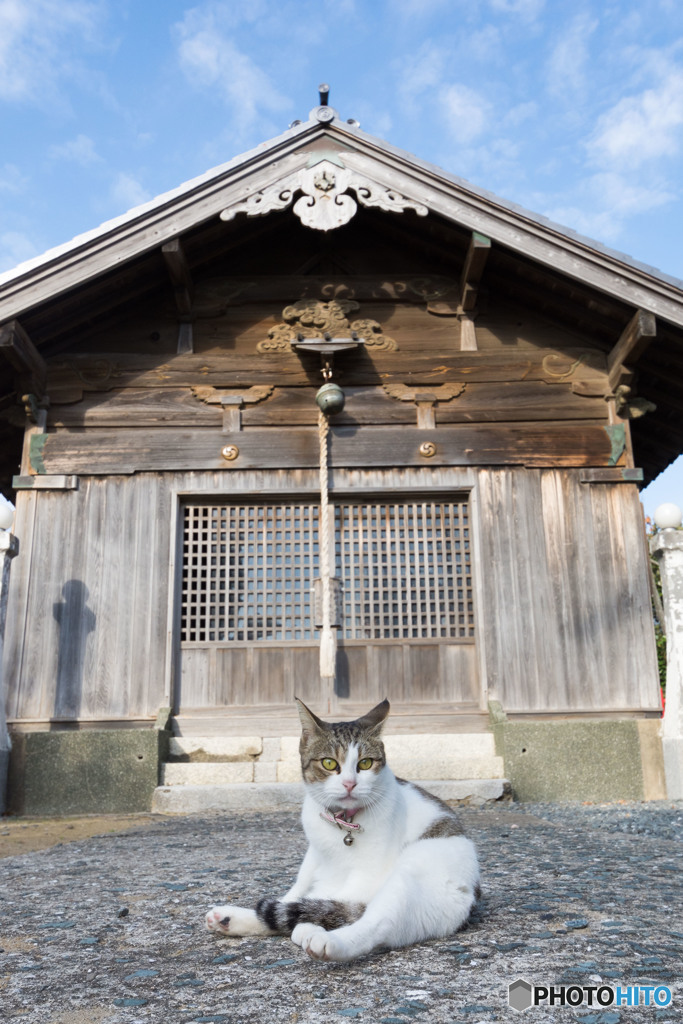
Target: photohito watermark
pixel 522 995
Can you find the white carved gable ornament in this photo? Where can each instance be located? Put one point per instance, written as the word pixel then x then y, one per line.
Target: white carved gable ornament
pixel 325 202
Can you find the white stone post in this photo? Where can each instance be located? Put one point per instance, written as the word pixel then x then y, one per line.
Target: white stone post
pixel 9 547
pixel 667 547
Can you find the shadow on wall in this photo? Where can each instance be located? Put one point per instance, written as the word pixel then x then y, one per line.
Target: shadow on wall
pixel 75 621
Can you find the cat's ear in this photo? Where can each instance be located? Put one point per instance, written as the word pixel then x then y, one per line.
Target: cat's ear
pixel 310 723
pixel 374 720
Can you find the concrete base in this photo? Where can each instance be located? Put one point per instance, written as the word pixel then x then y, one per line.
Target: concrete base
pixel 85 772
pixel 253 796
pixel 672 749
pixel 595 760
pixel 4 769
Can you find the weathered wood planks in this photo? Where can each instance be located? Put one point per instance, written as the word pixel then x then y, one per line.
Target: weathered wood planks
pixel 565 593
pixel 87 633
pixel 178 407
pixel 562 601
pixel 101 452
pixel 114 370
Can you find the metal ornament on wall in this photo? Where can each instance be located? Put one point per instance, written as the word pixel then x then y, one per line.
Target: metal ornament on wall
pixel 311 318
pixel 325 203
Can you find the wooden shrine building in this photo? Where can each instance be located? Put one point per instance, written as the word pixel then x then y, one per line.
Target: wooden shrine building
pixel 511 386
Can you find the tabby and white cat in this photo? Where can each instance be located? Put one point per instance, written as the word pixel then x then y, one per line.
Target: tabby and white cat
pixel 387 863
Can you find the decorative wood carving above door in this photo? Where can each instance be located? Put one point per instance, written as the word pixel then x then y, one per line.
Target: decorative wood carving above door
pixel 309 318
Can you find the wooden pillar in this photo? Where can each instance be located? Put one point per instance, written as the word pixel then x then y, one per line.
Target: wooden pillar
pixel 9 547
pixel 667 547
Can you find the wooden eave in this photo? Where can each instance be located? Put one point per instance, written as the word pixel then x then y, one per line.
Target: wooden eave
pixel 569 280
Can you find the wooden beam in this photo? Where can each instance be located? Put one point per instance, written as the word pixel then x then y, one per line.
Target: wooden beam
pixel 611 476
pixel 24 357
pixel 179 272
pixel 475 261
pixel 635 338
pixel 548 444
pixel 177 266
pixel 113 371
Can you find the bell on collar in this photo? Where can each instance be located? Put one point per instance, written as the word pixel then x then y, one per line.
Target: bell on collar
pixel 330 399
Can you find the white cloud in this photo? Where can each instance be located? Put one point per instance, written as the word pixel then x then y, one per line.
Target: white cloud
pixel 337 7
pixel 601 225
pixel 624 196
pixel 11 179
pixel 419 8
pixel 521 113
pixel 14 249
pixel 128 192
pixel 36 39
pixel 603 202
pixel 418 73
pixel 567 66
pixel 211 60
pixel 642 128
pixel 80 150
pixel 528 9
pixel 466 112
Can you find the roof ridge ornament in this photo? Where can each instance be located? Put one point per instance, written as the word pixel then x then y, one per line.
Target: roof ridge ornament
pixel 325 183
pixel 323 113
pixel 325 203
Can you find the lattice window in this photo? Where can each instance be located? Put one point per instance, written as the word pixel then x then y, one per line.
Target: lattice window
pixel 405 571
pixel 247 572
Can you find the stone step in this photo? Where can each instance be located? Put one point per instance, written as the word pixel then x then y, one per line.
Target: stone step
pixel 250 796
pixel 271 748
pixel 198 761
pixel 223 773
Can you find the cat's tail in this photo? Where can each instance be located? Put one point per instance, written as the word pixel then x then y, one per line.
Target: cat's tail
pixel 282 916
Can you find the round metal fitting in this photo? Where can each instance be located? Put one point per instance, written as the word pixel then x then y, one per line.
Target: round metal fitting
pixel 427 449
pixel 323 114
pixel 330 399
pixel 230 452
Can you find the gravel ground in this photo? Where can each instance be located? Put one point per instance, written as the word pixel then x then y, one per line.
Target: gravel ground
pixel 110 928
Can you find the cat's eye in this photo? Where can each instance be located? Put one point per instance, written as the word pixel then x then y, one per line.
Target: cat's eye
pixel 365 763
pixel 329 764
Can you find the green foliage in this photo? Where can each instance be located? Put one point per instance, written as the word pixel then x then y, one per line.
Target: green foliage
pixel 660 640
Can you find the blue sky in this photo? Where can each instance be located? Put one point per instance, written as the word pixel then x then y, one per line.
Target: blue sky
pixel 572 110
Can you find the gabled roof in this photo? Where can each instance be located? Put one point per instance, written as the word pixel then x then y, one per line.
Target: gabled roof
pixel 272 164
pixel 323 170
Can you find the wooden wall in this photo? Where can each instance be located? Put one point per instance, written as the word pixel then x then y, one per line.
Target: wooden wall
pixel 563 616
pixel 560 570
pixel 568 621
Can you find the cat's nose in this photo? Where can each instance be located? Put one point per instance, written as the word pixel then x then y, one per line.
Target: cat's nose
pixel 349 785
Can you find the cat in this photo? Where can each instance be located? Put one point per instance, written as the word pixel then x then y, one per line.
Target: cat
pixel 387 863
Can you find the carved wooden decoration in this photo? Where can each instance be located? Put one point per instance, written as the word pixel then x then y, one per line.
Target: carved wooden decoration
pixel 325 203
pixel 232 401
pixel 630 407
pixel 561 367
pixel 247 396
pixel 310 318
pixel 441 393
pixel 425 399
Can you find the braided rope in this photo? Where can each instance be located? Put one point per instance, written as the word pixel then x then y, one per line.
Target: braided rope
pixel 327 636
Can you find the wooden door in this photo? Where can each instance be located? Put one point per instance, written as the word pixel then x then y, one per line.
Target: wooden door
pixel 249 630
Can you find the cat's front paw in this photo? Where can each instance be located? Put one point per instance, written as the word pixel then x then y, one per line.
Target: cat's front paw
pixel 319 943
pixel 218 919
pixel 235 921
